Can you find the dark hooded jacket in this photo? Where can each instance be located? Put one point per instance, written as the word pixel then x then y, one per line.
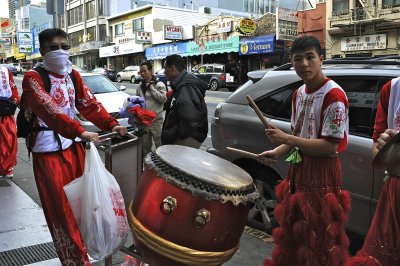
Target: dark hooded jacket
pixel 186 115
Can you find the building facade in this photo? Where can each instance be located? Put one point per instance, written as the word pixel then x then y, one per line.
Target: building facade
pixel 363 28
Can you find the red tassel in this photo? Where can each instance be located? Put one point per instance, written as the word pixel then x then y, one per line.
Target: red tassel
pixel 268 262
pixel 362 261
pixel 282 189
pixel 279 213
pixel 306 257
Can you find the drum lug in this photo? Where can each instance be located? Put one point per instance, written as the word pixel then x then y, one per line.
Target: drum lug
pixel 168 205
pixel 202 217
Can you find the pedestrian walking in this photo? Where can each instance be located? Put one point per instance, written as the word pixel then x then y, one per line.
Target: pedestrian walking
pixel 58 154
pixel 153 91
pixel 312 209
pixel 186 116
pixel 9 99
pixel 382 243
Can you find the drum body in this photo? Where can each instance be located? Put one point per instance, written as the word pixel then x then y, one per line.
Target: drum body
pixel 204 216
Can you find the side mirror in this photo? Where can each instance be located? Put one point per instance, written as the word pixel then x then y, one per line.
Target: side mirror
pixel 122 88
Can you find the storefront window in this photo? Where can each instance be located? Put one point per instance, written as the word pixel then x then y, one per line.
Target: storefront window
pixel 102 32
pixel 340 6
pixel 138 24
pixel 391 3
pixel 119 29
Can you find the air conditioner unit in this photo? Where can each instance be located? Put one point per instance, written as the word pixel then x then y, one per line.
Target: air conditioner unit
pixel 205 10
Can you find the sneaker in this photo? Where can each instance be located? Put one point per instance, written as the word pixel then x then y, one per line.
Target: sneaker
pixel 8 176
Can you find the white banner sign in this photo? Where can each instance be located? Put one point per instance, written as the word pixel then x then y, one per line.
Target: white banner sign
pixel 224 26
pixel 286 24
pixel 143 37
pixel 366 42
pixel 173 32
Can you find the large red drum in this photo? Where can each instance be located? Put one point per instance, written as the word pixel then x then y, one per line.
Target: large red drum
pixel 190 207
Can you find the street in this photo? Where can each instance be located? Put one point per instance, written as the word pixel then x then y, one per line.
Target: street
pixel 255 246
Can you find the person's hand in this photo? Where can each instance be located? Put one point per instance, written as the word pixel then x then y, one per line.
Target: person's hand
pixel 385 137
pixel 122 131
pixel 276 136
pixel 268 157
pixel 89 136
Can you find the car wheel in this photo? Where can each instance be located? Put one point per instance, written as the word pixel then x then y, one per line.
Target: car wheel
pixel 133 79
pixel 232 89
pixel 119 79
pixel 213 85
pixel 261 215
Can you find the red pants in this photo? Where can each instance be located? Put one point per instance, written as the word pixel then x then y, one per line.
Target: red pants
pixel 8 144
pixel 52 172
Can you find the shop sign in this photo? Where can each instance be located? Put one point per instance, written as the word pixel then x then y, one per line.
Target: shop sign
pixel 247 26
pixel 173 32
pixel 124 40
pixel 224 26
pixel 164 50
pixel 213 46
pixel 286 24
pixel 126 48
pixel 93 45
pixel 25 42
pixel 128 27
pixel 5 42
pixel 259 45
pixel 366 42
pixel 143 37
pixel 17 55
pixel 85 38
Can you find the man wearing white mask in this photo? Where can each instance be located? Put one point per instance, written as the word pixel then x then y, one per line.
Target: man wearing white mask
pixel 57 157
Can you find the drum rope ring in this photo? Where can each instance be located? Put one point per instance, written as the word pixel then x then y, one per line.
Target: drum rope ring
pixel 173 251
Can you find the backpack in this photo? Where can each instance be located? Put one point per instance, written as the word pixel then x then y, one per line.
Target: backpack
pixel 25 127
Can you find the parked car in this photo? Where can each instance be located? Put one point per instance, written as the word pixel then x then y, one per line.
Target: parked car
pixel 18 67
pixel 109 73
pixel 236 125
pixel 12 68
pixel 218 76
pixel 130 73
pixel 111 96
pixel 160 74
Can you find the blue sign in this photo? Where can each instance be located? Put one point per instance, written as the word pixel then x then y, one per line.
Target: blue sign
pixel 35 32
pixel 266 44
pixel 163 50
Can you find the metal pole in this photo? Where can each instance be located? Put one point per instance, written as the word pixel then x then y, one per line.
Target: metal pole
pixel 55 17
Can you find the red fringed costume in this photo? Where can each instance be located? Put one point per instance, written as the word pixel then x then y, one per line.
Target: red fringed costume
pixel 382 243
pixel 8 128
pixel 313 209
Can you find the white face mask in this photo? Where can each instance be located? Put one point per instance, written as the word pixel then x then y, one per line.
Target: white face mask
pixel 57 62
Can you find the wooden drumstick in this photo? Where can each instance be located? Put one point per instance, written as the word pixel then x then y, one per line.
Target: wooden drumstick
pixel 258 112
pixel 245 153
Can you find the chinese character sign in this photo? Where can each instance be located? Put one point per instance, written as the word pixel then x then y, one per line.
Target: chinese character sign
pixel 366 42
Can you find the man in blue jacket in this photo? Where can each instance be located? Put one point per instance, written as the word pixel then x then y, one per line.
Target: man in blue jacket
pixel 186 116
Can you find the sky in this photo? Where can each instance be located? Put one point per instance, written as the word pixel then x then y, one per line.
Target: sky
pixel 4 12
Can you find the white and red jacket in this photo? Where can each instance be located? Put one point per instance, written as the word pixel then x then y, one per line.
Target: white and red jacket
pixel 322 113
pixel 56 110
pixel 8 89
pixel 388 113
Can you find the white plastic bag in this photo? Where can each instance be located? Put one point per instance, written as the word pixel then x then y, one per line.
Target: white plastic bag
pixel 98 207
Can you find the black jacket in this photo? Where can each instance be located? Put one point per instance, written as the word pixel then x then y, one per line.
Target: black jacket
pixel 186 115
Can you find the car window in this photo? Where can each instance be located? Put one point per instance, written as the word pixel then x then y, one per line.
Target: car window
pixel 363 98
pixel 210 69
pixel 135 68
pixel 218 69
pixel 202 69
pixel 278 104
pixel 99 84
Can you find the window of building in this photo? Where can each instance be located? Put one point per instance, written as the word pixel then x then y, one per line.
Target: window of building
pixel 246 5
pixel 390 3
pixel 90 10
pixel 102 32
pixel 340 6
pixel 138 24
pixel 74 38
pixel 61 22
pixel 91 34
pixel 75 16
pixel 119 29
pixel 25 23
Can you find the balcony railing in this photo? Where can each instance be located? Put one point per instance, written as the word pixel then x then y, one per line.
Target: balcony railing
pixel 354 15
pixel 389 12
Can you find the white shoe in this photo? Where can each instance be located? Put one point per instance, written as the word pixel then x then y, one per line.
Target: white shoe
pixel 8 176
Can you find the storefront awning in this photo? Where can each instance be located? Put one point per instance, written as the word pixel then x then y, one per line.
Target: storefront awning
pixel 163 50
pixel 214 46
pixel 266 44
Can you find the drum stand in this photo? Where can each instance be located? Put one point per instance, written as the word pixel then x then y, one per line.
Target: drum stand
pixel 122 157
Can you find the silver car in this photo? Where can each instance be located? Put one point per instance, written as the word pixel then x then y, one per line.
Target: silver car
pixel 130 73
pixel 111 96
pixel 236 125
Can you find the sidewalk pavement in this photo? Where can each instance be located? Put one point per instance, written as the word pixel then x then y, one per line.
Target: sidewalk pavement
pixel 254 245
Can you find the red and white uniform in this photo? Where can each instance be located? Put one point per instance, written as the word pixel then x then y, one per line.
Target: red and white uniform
pixel 313 209
pixel 53 168
pixel 382 243
pixel 8 129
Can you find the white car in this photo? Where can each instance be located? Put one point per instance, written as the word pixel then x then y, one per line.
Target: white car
pixel 18 67
pixel 111 96
pixel 130 73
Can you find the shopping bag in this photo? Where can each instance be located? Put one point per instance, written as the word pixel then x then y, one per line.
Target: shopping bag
pixel 100 209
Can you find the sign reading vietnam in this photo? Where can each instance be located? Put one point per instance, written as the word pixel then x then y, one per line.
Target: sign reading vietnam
pixel 25 42
pixel 173 32
pixel 247 26
pixel 366 42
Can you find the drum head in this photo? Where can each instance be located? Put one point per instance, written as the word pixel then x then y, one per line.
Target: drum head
pixel 384 155
pixel 202 173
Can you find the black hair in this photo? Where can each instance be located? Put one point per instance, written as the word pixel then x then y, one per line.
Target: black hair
pixel 148 64
pixel 175 60
pixel 305 43
pixel 48 35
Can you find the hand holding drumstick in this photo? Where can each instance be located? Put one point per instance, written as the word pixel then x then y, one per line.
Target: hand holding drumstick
pixel 251 155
